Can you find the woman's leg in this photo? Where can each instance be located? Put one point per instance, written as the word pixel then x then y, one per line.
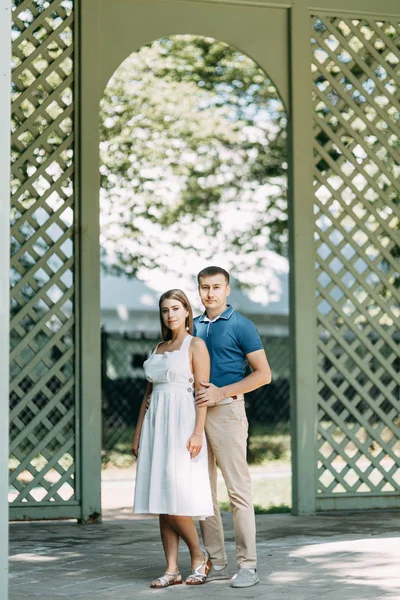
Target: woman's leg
pixel 170 541
pixel 185 528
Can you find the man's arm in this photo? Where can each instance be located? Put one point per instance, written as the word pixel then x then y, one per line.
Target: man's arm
pixel 209 395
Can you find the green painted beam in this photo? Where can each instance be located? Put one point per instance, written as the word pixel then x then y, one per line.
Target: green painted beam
pixel 88 275
pixel 361 501
pixel 356 8
pixel 5 127
pixel 335 7
pixel 48 512
pixel 302 270
pixel 259 32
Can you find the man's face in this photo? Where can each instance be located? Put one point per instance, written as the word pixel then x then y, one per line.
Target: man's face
pixel 214 290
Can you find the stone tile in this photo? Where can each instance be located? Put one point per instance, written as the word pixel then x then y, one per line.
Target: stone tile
pixel 354 592
pixel 395 596
pixel 342 557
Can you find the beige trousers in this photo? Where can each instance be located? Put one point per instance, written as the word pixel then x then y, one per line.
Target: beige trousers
pixel 226 431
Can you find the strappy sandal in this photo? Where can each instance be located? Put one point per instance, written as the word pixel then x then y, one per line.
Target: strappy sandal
pixel 197 578
pixel 165 582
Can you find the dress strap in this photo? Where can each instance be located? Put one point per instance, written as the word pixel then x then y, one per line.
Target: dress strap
pixel 185 346
pixel 186 342
pixel 155 349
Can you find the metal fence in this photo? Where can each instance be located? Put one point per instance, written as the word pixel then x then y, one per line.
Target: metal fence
pixel 124 384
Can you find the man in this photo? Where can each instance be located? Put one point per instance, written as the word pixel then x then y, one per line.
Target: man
pixel 232 341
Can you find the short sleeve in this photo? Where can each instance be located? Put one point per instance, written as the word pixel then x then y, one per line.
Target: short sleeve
pixel 248 336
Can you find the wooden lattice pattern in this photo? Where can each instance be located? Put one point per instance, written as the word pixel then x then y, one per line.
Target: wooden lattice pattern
pixel 356 76
pixel 42 406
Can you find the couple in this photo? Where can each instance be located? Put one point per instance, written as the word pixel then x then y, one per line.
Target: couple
pixel 179 442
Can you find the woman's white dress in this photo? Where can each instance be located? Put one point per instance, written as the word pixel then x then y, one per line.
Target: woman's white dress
pixel 168 481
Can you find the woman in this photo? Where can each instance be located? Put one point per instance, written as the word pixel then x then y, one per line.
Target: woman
pixel 172 472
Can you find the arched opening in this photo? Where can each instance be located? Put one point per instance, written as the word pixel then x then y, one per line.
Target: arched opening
pixel 193 172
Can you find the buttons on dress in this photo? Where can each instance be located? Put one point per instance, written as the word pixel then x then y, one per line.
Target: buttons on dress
pixel 191 380
pixel 189 390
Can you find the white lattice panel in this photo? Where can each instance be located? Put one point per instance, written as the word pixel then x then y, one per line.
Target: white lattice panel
pixel 42 405
pixel 356 73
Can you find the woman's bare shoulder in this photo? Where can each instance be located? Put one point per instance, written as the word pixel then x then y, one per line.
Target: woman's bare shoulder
pixel 198 344
pixel 156 346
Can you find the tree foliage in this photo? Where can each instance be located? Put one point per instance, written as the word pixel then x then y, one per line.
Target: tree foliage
pixel 193 156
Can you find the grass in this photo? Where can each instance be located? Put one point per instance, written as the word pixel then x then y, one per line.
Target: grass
pixel 117 458
pixel 269 459
pixel 267 443
pixel 261 510
pixel 271 487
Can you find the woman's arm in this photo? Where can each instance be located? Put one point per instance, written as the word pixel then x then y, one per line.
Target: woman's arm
pixel 142 413
pixel 201 368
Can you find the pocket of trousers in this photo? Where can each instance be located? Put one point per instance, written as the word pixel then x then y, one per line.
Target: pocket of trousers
pixel 237 411
pixel 230 428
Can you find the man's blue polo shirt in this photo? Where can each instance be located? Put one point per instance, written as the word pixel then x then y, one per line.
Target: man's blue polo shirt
pixel 229 338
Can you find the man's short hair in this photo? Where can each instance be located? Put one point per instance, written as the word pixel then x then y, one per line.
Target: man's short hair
pixel 209 271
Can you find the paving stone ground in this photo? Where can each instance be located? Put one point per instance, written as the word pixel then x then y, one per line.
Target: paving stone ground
pixel 340 557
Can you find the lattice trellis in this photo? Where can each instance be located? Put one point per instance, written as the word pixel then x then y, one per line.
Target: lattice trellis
pixel 42 403
pixel 356 76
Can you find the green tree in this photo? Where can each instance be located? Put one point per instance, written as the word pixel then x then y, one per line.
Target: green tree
pixel 193 152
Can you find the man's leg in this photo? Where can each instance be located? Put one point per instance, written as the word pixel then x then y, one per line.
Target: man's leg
pixel 211 528
pixel 228 436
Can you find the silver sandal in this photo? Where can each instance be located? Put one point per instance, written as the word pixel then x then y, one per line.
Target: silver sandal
pixel 165 582
pixel 197 578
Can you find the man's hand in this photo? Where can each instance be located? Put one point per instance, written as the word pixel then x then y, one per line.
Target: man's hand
pixel 209 395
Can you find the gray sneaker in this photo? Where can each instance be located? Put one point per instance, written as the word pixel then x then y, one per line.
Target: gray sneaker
pixel 215 574
pixel 245 578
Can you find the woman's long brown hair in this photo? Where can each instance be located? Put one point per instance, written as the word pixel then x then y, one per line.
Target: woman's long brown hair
pixel 166 333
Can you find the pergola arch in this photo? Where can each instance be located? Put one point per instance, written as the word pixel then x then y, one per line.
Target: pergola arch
pixel 326 61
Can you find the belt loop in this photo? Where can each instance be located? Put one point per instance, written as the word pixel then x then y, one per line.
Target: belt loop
pixel 238 398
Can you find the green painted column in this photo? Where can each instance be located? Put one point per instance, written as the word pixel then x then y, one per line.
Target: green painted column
pixel 88 276
pixel 5 126
pixel 302 269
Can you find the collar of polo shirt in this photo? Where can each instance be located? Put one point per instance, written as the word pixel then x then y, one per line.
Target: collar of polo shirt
pixel 225 315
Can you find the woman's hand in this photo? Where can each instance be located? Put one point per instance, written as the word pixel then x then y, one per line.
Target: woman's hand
pixel 195 444
pixel 135 446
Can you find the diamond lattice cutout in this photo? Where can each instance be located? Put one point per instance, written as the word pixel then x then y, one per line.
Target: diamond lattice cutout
pixel 356 78
pixel 42 431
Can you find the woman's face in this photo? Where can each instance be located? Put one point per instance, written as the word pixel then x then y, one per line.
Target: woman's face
pixel 173 313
